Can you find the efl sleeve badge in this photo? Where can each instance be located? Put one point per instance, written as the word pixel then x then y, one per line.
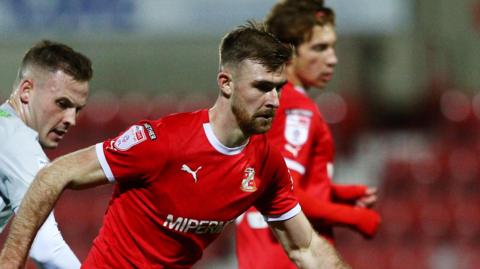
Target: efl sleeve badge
pixel 133 136
pixel 297 125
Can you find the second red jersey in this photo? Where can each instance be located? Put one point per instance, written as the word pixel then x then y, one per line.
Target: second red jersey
pixel 178 187
pixel 305 141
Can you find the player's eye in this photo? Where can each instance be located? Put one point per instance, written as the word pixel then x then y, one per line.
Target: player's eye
pixel 64 103
pixel 320 47
pixel 264 86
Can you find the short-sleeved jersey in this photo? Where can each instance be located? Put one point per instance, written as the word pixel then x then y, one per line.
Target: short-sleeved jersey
pixel 305 141
pixel 21 157
pixel 178 187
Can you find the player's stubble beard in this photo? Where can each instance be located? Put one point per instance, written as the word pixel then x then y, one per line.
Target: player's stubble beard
pixel 258 123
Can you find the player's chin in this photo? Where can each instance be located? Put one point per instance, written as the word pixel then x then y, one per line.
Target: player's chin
pixel 51 141
pixel 262 125
pixel 322 82
pixel 49 144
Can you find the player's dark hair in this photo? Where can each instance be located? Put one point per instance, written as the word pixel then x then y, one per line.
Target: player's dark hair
pixel 54 56
pixel 292 21
pixel 252 42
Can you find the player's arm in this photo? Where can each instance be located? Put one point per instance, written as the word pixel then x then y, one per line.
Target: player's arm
pixel 303 246
pixel 361 219
pixel 76 170
pixel 360 195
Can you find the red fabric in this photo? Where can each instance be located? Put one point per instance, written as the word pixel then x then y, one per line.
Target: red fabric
pixel 325 214
pixel 348 192
pixel 160 215
pixel 305 141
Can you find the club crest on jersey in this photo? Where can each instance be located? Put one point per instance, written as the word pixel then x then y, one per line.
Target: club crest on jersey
pixel 133 136
pixel 248 183
pixel 297 125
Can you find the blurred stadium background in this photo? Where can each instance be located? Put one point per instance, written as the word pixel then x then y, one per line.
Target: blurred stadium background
pixel 404 107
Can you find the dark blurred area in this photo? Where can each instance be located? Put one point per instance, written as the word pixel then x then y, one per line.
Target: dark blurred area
pixel 404 108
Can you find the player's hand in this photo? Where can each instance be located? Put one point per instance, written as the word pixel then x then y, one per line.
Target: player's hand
pixel 369 199
pixel 368 221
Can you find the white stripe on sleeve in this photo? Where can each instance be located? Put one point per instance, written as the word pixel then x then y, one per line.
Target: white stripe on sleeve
pixel 103 162
pixel 286 216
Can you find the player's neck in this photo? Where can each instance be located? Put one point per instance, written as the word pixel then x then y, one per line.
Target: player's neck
pixel 295 80
pixel 16 104
pixel 225 127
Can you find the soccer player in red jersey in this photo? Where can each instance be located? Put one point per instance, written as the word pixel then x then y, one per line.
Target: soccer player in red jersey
pixel 183 178
pixel 304 139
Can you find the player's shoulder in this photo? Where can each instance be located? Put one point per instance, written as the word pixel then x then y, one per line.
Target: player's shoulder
pixel 261 144
pixel 11 126
pixel 180 121
pixel 259 140
pixel 265 151
pixel 292 98
pixel 18 141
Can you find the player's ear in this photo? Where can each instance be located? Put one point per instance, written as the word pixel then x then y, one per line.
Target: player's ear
pixel 25 89
pixel 225 83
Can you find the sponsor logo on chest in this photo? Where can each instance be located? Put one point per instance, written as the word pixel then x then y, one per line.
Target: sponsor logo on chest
pixel 188 225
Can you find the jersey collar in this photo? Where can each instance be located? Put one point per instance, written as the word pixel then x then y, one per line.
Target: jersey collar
pixel 217 145
pixel 300 89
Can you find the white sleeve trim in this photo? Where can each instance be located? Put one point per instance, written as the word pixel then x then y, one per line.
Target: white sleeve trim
pixel 295 166
pixel 103 162
pixel 286 216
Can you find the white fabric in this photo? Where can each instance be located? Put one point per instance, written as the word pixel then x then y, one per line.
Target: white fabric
pixel 218 145
pixel 103 162
pixel 21 157
pixel 49 250
pixel 295 166
pixel 286 216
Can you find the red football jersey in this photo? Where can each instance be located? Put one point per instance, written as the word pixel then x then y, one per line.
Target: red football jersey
pixel 305 141
pixel 178 187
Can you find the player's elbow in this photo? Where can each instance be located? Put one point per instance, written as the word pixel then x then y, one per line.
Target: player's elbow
pixel 50 177
pixel 296 255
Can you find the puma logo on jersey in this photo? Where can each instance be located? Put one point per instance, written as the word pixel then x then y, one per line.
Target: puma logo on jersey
pixel 193 173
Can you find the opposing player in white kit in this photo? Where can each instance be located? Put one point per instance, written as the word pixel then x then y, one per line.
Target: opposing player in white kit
pixel 182 178
pixel 50 88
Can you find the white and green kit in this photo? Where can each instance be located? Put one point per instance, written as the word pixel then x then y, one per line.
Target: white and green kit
pixel 21 157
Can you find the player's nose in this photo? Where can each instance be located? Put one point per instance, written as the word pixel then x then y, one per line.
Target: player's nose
pixel 272 99
pixel 70 117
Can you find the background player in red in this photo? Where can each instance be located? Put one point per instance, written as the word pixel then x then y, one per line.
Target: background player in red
pixel 183 178
pixel 304 139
